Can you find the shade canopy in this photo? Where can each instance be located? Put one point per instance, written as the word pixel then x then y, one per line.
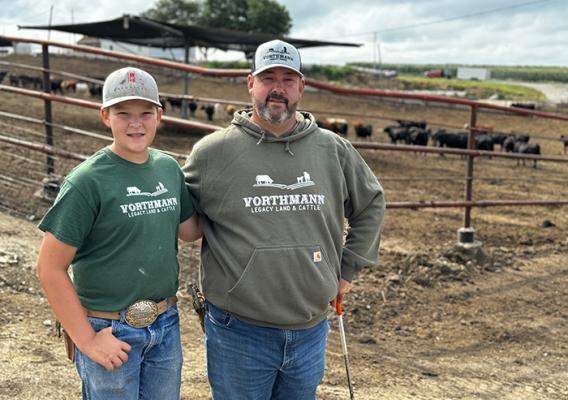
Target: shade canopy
pixel 148 32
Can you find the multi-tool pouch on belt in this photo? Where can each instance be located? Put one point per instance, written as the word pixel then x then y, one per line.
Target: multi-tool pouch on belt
pixel 69 345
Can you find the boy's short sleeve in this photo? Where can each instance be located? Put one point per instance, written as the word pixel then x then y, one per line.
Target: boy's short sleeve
pixel 71 217
pixel 187 209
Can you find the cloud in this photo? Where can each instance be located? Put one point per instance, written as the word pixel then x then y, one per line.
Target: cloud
pixel 410 31
pixel 508 35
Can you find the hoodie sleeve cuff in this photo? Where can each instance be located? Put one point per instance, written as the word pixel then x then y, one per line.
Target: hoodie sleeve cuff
pixel 347 272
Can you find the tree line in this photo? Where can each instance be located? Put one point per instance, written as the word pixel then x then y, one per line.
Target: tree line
pixel 255 16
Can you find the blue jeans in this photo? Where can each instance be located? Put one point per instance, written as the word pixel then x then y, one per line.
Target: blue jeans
pixel 249 362
pixel 153 369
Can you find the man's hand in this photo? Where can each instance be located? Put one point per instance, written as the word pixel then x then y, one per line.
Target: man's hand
pixel 343 289
pixel 106 350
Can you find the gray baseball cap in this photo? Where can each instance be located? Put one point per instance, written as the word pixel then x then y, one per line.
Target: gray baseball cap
pixel 276 53
pixel 130 84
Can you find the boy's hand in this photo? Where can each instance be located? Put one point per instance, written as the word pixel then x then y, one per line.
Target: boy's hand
pixel 106 350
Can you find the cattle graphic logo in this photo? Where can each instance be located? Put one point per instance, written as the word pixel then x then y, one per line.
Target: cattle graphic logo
pixel 302 181
pixel 134 191
pixel 275 55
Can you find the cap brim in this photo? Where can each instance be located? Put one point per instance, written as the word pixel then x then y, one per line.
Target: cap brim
pixel 270 66
pixel 117 100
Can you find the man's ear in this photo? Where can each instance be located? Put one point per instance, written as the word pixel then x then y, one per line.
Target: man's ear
pixel 250 82
pixel 105 116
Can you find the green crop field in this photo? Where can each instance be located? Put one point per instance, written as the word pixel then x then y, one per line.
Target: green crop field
pixel 473 89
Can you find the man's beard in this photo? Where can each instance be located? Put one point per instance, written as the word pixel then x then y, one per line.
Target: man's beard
pixel 274 116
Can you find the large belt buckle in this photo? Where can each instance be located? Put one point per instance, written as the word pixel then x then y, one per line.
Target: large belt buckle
pixel 141 314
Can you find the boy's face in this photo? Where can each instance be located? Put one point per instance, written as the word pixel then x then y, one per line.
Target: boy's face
pixel 133 124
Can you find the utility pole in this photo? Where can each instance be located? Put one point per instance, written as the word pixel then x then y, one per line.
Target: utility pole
pixel 50 18
pixel 72 22
pixel 374 50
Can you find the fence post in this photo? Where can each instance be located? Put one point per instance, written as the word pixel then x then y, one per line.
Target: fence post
pixel 466 234
pixel 186 77
pixel 47 107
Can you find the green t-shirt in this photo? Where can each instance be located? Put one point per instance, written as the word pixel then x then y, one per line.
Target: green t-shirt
pixel 123 218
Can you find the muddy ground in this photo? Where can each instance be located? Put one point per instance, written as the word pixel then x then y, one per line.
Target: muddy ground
pixel 430 321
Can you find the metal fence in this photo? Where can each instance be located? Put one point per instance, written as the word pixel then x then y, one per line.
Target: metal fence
pixel 34 184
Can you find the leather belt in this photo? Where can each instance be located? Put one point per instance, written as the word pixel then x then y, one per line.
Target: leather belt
pixel 139 314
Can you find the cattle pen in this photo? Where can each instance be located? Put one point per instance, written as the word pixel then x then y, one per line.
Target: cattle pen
pixel 470 154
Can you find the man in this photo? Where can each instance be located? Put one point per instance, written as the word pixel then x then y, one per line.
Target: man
pixel 273 190
pixel 116 222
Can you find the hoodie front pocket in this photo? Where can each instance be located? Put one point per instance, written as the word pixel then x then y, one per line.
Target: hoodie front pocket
pixel 284 285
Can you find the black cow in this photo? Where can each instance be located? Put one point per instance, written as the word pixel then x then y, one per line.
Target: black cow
pixel 418 136
pixel 363 131
pixel 337 125
pixel 498 138
pixel 409 123
pixel 397 133
pixel 14 80
pixel 95 89
pixel 510 140
pixel 526 106
pixel 447 139
pixel 564 139
pixel 527 148
pixel 484 142
pixel 192 107
pixel 509 144
pixel 56 86
pixel 2 75
pixel 174 103
pixel 34 82
pixel 209 110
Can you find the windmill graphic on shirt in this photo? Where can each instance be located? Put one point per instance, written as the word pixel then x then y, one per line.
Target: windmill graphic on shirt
pixel 134 191
pixel 301 181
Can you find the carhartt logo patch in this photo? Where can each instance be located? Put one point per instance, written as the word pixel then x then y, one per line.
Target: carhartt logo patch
pixel 317 256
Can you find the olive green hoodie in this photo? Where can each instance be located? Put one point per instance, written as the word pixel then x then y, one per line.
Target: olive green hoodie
pixel 273 210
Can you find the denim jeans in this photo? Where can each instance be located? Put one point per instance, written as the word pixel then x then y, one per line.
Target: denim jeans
pixel 153 369
pixel 249 362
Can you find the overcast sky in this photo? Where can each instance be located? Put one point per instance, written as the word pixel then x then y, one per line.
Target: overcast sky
pixel 497 32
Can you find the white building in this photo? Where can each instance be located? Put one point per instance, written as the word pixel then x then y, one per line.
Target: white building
pixel 469 73
pixel 22 48
pixel 154 52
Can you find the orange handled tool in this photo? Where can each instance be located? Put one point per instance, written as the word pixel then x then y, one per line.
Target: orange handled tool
pixel 344 346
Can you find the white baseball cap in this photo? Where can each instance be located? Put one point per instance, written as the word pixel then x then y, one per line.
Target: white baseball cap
pixel 130 84
pixel 276 53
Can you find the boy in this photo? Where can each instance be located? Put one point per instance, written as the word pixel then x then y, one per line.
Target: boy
pixel 116 222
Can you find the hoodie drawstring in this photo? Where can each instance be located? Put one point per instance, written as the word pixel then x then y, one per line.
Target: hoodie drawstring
pixel 261 138
pixel 287 148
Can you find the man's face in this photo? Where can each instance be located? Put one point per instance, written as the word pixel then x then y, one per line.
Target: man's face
pixel 275 94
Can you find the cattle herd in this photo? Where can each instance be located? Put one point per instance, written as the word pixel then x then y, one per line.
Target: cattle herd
pixel 417 133
pixel 404 131
pixel 95 89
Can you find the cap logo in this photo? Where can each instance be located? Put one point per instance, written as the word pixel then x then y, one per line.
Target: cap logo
pixel 131 77
pixel 276 55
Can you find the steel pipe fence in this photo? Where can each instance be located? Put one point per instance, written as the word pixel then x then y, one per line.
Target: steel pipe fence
pixel 470 153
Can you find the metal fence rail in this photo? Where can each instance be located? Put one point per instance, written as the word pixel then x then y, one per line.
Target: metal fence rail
pixel 470 153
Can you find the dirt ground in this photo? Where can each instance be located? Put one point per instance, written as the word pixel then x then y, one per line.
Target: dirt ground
pixel 431 321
